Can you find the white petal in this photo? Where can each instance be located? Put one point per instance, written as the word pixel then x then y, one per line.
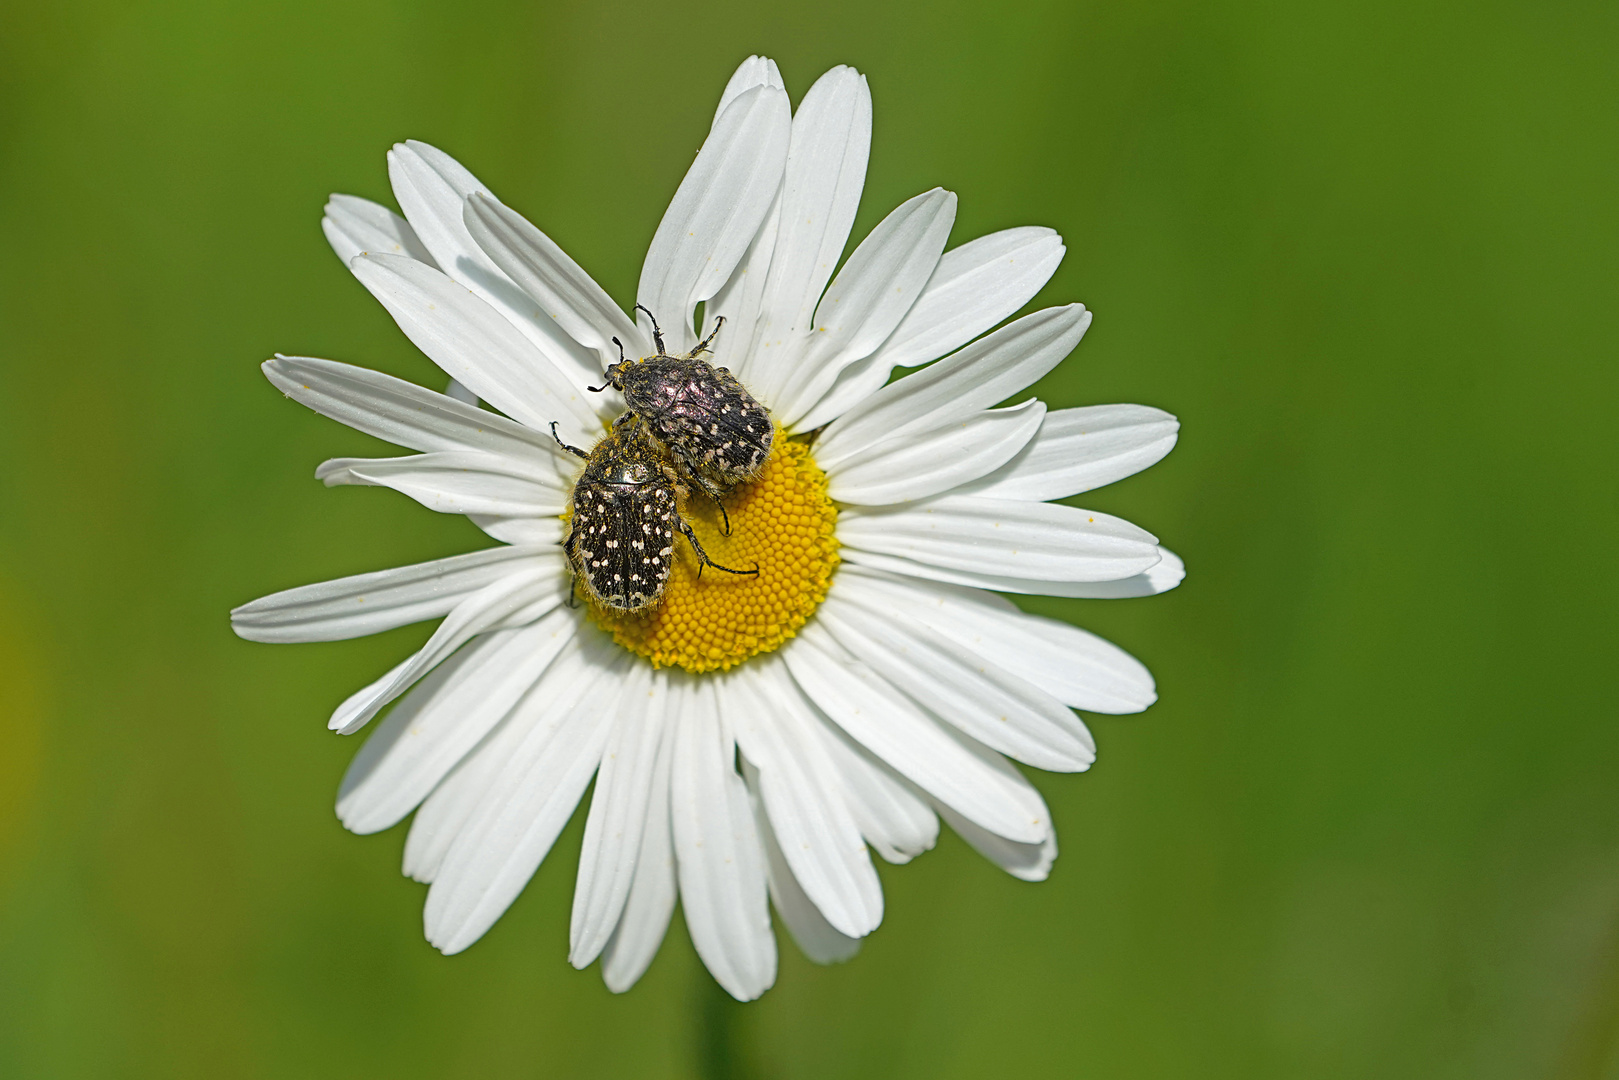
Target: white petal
pixel 460 481
pixel 1075 666
pixel 817 938
pixel 805 801
pixel 985 372
pixel 1025 860
pixel 997 707
pixel 563 290
pixel 528 531
pixel 618 815
pixel 820 192
pixel 1028 862
pixel 431 187
pixel 364 604
pixel 443 718
pixel 896 819
pixel 754 71
pixel 928 463
pixel 460 393
pixel 1080 449
pixel 740 302
pixel 1169 572
pixel 1036 541
pixel 651 902
pixel 926 752
pixel 476 346
pixel 975 286
pixel 871 294
pixel 403 413
pixel 484 610
pixel 528 801
pixel 353 225
pixel 854 384
pixel 716 211
pixel 717 852
pixel 1161 577
pixel 443 814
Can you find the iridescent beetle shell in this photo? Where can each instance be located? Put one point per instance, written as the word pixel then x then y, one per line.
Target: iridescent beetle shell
pixel 712 426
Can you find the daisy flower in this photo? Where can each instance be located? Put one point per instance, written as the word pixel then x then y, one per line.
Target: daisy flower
pixel 752 740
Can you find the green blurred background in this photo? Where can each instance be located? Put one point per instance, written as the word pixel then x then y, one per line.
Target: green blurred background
pixel 1365 251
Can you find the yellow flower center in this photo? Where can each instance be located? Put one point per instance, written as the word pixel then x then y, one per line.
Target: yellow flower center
pixel 782 521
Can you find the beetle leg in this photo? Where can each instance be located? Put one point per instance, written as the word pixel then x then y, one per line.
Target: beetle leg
pixel 703 559
pixel 713 493
pixel 702 346
pixel 574 450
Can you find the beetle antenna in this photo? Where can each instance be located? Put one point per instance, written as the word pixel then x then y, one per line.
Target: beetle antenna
pixel 609 382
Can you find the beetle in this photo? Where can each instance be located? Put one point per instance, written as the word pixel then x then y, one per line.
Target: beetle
pixel 626 510
pixel 706 418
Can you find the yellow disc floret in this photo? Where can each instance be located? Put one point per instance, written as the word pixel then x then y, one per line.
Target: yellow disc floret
pixel 783 522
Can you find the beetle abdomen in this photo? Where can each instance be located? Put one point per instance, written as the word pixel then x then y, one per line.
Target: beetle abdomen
pixel 704 415
pixel 622 542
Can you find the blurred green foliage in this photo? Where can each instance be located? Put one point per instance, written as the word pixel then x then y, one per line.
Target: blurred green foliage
pixel 1366 251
